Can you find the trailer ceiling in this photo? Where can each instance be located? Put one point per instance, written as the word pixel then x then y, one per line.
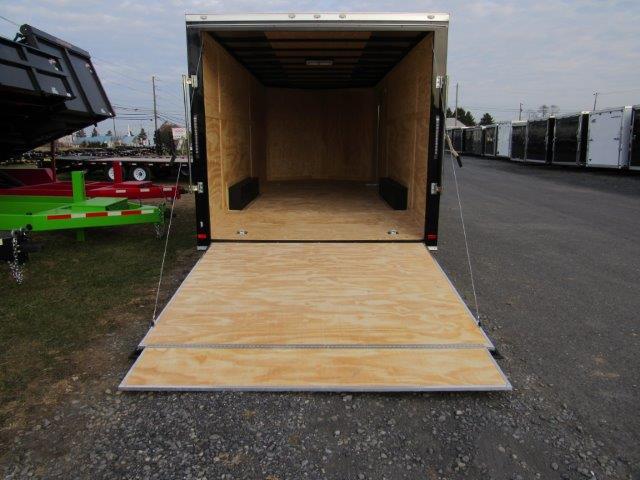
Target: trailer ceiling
pixel 318 59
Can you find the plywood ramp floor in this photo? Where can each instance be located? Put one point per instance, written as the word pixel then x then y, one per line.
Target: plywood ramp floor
pixel 316 316
pixel 317 210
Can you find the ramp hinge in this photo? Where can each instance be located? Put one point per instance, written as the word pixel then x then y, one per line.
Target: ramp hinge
pixel 198 187
pixel 439 81
pixel 435 189
pixel 191 80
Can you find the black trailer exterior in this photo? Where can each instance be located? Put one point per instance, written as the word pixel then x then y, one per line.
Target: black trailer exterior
pixel 473 141
pixel 467 140
pixel 64 89
pixel 518 141
pixel 489 140
pixel 570 139
pixel 634 143
pixel 540 140
pixel 456 139
pixel 197 28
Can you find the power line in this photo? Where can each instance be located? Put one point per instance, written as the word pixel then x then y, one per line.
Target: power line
pixel 112 70
pixel 10 21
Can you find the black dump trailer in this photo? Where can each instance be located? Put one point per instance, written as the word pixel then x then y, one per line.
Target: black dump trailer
pixel 518 141
pixel 540 140
pixel 48 89
pixel 634 143
pixel 570 138
pixel 489 140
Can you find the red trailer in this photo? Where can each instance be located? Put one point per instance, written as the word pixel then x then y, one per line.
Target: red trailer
pixel 40 181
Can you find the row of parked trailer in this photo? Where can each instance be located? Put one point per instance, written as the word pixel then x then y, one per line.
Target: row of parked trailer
pixel 603 139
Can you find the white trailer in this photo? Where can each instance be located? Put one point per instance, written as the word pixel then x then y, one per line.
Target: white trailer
pixel 609 136
pixel 503 145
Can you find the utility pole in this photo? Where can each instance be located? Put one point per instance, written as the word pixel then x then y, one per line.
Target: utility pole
pixel 155 111
pixel 595 100
pixel 115 134
pixel 520 114
pixel 456 111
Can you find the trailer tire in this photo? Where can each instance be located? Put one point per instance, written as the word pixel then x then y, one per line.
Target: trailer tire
pixel 140 173
pixel 108 173
pixel 184 170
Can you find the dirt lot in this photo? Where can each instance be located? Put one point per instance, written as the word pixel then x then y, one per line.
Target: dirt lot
pixel 555 254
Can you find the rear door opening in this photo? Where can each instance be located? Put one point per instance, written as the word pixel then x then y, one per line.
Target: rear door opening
pixel 316 119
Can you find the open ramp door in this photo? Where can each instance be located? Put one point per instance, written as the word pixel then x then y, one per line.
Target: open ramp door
pixel 318 317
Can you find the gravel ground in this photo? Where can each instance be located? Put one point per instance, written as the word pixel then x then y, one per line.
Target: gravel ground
pixel 555 254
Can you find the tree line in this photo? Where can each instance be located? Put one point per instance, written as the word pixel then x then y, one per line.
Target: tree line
pixel 466 117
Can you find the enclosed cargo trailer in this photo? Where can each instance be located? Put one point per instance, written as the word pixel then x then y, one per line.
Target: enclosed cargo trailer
pixel 519 141
pixel 570 139
pixel 503 143
pixel 609 136
pixel 467 140
pixel 489 140
pixel 634 142
pixel 456 139
pixel 473 141
pixel 539 140
pixel 318 147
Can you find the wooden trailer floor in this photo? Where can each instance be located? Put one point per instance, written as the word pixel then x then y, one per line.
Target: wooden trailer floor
pixel 316 316
pixel 317 210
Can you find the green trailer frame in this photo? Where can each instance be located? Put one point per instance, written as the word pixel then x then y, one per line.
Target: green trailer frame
pixel 43 213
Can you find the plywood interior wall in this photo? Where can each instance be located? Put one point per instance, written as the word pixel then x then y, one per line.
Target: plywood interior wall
pixel 404 97
pixel 320 134
pixel 234 109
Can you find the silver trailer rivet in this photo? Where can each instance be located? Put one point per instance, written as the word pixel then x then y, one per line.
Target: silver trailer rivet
pixel 316 16
pixel 431 17
pixel 203 17
pixel 292 15
pixel 342 15
pixel 393 231
pixel 242 233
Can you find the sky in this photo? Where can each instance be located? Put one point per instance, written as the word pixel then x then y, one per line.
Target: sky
pixel 501 53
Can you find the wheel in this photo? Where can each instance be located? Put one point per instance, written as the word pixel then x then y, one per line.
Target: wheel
pixel 184 170
pixel 140 173
pixel 108 173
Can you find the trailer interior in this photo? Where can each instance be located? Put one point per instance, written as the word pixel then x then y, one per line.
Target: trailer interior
pixel 317 276
pixel 318 118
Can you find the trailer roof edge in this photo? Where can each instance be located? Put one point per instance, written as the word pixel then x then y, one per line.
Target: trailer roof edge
pixel 300 21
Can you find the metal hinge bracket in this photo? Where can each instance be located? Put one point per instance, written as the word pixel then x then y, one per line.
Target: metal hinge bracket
pixel 435 189
pixel 191 80
pixel 198 187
